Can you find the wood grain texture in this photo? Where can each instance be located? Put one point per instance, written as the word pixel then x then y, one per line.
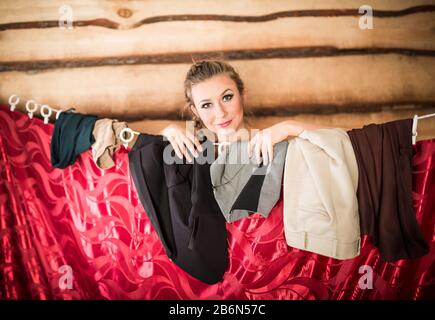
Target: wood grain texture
pixel 273 86
pixel 128 59
pixel 179 41
pixel 46 11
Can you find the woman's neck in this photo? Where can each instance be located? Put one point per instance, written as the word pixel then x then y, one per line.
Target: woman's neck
pixel 242 133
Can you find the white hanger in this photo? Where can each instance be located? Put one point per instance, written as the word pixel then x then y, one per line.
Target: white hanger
pixel 131 133
pixel 31 107
pixel 13 102
pixel 221 145
pixel 415 123
pixel 126 141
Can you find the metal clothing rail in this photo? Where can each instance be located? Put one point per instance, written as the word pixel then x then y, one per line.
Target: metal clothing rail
pixel 127 134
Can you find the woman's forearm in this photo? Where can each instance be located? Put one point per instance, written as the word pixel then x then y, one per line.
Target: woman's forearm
pixel 294 128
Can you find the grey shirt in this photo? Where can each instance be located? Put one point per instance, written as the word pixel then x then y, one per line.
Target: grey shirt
pixel 241 187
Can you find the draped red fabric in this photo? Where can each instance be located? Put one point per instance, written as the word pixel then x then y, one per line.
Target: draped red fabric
pixel 81 233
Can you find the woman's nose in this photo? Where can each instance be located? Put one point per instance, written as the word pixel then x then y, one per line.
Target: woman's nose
pixel 219 111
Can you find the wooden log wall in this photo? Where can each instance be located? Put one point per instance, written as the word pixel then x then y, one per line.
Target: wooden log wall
pixel 303 60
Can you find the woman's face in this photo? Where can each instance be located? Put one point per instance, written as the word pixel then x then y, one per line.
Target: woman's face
pixel 218 104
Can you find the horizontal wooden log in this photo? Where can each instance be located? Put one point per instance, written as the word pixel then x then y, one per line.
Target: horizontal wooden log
pixel 178 42
pixel 122 14
pixel 273 86
pixel 248 54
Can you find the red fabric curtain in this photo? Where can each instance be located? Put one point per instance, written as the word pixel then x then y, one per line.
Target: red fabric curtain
pixel 81 233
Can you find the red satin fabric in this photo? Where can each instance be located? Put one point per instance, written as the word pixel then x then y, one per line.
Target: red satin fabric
pixel 91 220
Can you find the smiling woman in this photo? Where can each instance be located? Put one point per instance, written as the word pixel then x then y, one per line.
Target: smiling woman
pixel 216 98
pixel 159 216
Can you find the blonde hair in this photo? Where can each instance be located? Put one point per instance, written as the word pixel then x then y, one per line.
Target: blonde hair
pixel 201 71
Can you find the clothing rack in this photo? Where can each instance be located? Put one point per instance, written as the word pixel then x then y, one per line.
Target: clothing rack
pixel 32 106
pixel 126 135
pixel 46 112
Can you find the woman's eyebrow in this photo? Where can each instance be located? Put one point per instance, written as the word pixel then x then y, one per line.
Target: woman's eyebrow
pixel 225 91
pixel 203 100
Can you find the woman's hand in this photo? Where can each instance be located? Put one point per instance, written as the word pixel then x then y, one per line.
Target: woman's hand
pixel 182 140
pixel 262 143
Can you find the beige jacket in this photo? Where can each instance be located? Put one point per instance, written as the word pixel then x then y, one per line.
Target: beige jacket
pixel 320 203
pixel 106 134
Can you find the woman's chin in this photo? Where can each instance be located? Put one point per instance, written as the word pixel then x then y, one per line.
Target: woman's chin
pixel 227 134
pixel 225 131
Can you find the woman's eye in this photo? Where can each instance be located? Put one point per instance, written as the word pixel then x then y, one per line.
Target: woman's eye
pixel 227 97
pixel 206 105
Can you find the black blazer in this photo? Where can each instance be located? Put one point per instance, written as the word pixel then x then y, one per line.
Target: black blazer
pixel 179 200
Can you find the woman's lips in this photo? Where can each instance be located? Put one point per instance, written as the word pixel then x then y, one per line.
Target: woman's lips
pixel 224 124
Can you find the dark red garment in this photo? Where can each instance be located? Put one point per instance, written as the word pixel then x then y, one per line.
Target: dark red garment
pixel 91 220
pixel 384 156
